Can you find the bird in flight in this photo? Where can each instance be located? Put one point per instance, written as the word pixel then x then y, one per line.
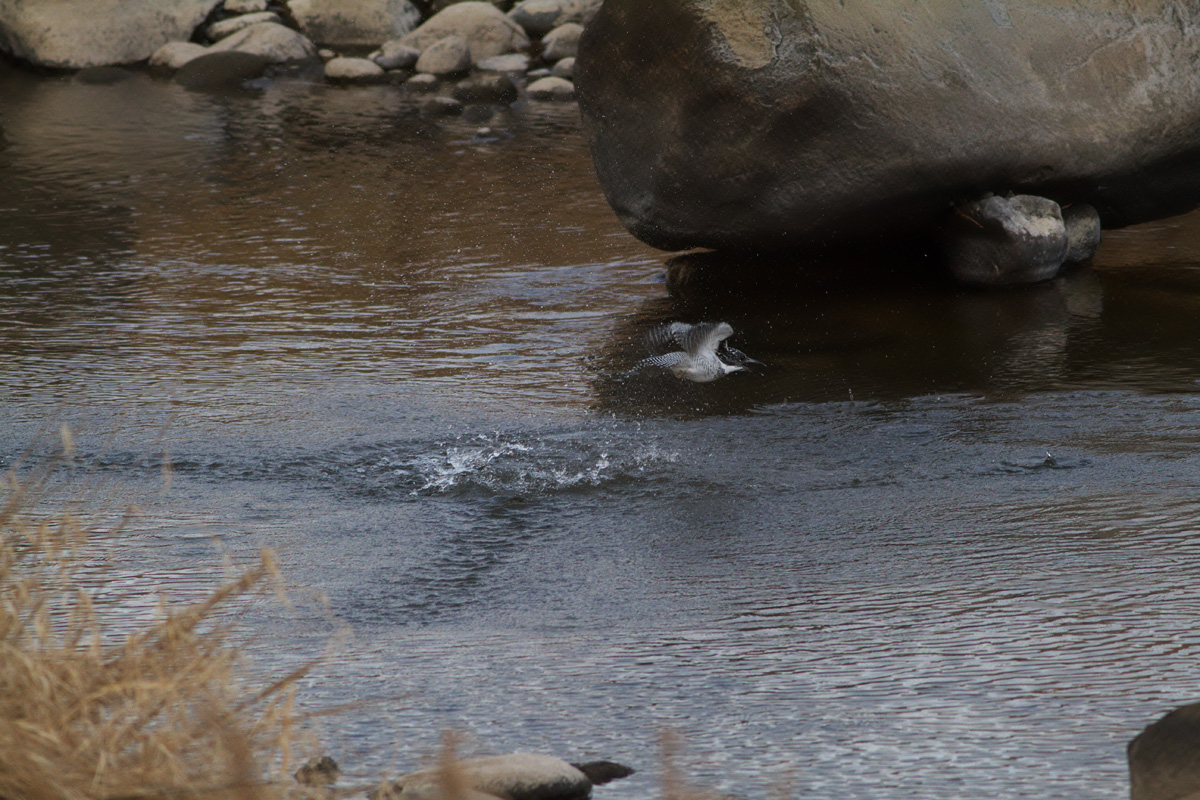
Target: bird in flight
pixel 697 353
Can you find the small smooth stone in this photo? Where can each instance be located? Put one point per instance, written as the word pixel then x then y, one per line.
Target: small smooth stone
pixel 562 42
pixel 325 54
pixel 564 68
pixel 245 6
pixel 513 64
pixel 542 72
pixel 551 89
pixel 173 55
pixel 353 70
pixel 423 83
pixel 394 55
pixel 450 56
pixel 228 27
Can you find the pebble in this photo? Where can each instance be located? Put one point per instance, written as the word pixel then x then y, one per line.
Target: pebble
pixel 513 64
pixel 353 70
pixel 551 89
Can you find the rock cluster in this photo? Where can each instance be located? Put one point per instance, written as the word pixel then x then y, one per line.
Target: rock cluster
pixel 534 41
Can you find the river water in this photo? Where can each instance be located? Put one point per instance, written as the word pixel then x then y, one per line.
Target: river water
pixel 942 544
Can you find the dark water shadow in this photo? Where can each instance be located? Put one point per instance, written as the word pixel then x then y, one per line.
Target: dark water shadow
pixel 891 326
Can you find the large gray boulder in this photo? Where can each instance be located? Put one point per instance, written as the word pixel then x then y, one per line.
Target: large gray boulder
pixel 354 23
pixel 486 29
pixel 775 124
pixel 73 34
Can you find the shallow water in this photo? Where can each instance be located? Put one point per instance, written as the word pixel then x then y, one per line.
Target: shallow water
pixel 941 545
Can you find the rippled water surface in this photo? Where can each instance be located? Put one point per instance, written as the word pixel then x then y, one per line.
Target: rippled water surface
pixel 943 544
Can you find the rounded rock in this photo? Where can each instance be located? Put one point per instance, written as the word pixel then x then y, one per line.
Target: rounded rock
pixel 449 56
pixel 270 40
pixel 394 55
pixel 245 6
pixel 354 23
pixel 1005 241
pixel 511 64
pixel 173 55
pixel 422 83
pixel 562 42
pixel 353 70
pixel 1164 759
pixel 551 88
pixel 564 68
pixel 482 25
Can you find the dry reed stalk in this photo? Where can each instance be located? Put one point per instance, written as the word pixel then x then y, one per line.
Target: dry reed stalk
pixel 161 714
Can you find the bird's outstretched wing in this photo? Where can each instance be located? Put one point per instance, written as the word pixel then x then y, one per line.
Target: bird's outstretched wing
pixel 665 360
pixel 704 337
pixel 693 339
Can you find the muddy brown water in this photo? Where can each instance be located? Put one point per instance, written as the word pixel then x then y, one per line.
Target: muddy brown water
pixel 943 544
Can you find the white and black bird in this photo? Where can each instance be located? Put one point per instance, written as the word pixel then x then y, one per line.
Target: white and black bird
pixel 697 353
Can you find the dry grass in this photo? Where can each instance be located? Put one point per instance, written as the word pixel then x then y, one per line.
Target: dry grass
pixel 156 713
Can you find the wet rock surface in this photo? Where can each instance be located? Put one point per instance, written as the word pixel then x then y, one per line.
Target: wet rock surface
pixel 769 125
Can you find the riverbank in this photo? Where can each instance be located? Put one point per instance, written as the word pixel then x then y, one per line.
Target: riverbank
pixel 462 55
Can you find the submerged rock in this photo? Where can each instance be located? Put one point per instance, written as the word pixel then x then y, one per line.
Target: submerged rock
pixel 87 33
pixel 551 88
pixel 487 88
pixel 353 70
pixel 221 70
pixel 518 776
pixel 773 124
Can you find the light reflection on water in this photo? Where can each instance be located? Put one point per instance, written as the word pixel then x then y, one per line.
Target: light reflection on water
pixel 940 545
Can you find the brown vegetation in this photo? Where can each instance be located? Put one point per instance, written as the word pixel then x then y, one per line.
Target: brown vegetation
pixel 159 712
